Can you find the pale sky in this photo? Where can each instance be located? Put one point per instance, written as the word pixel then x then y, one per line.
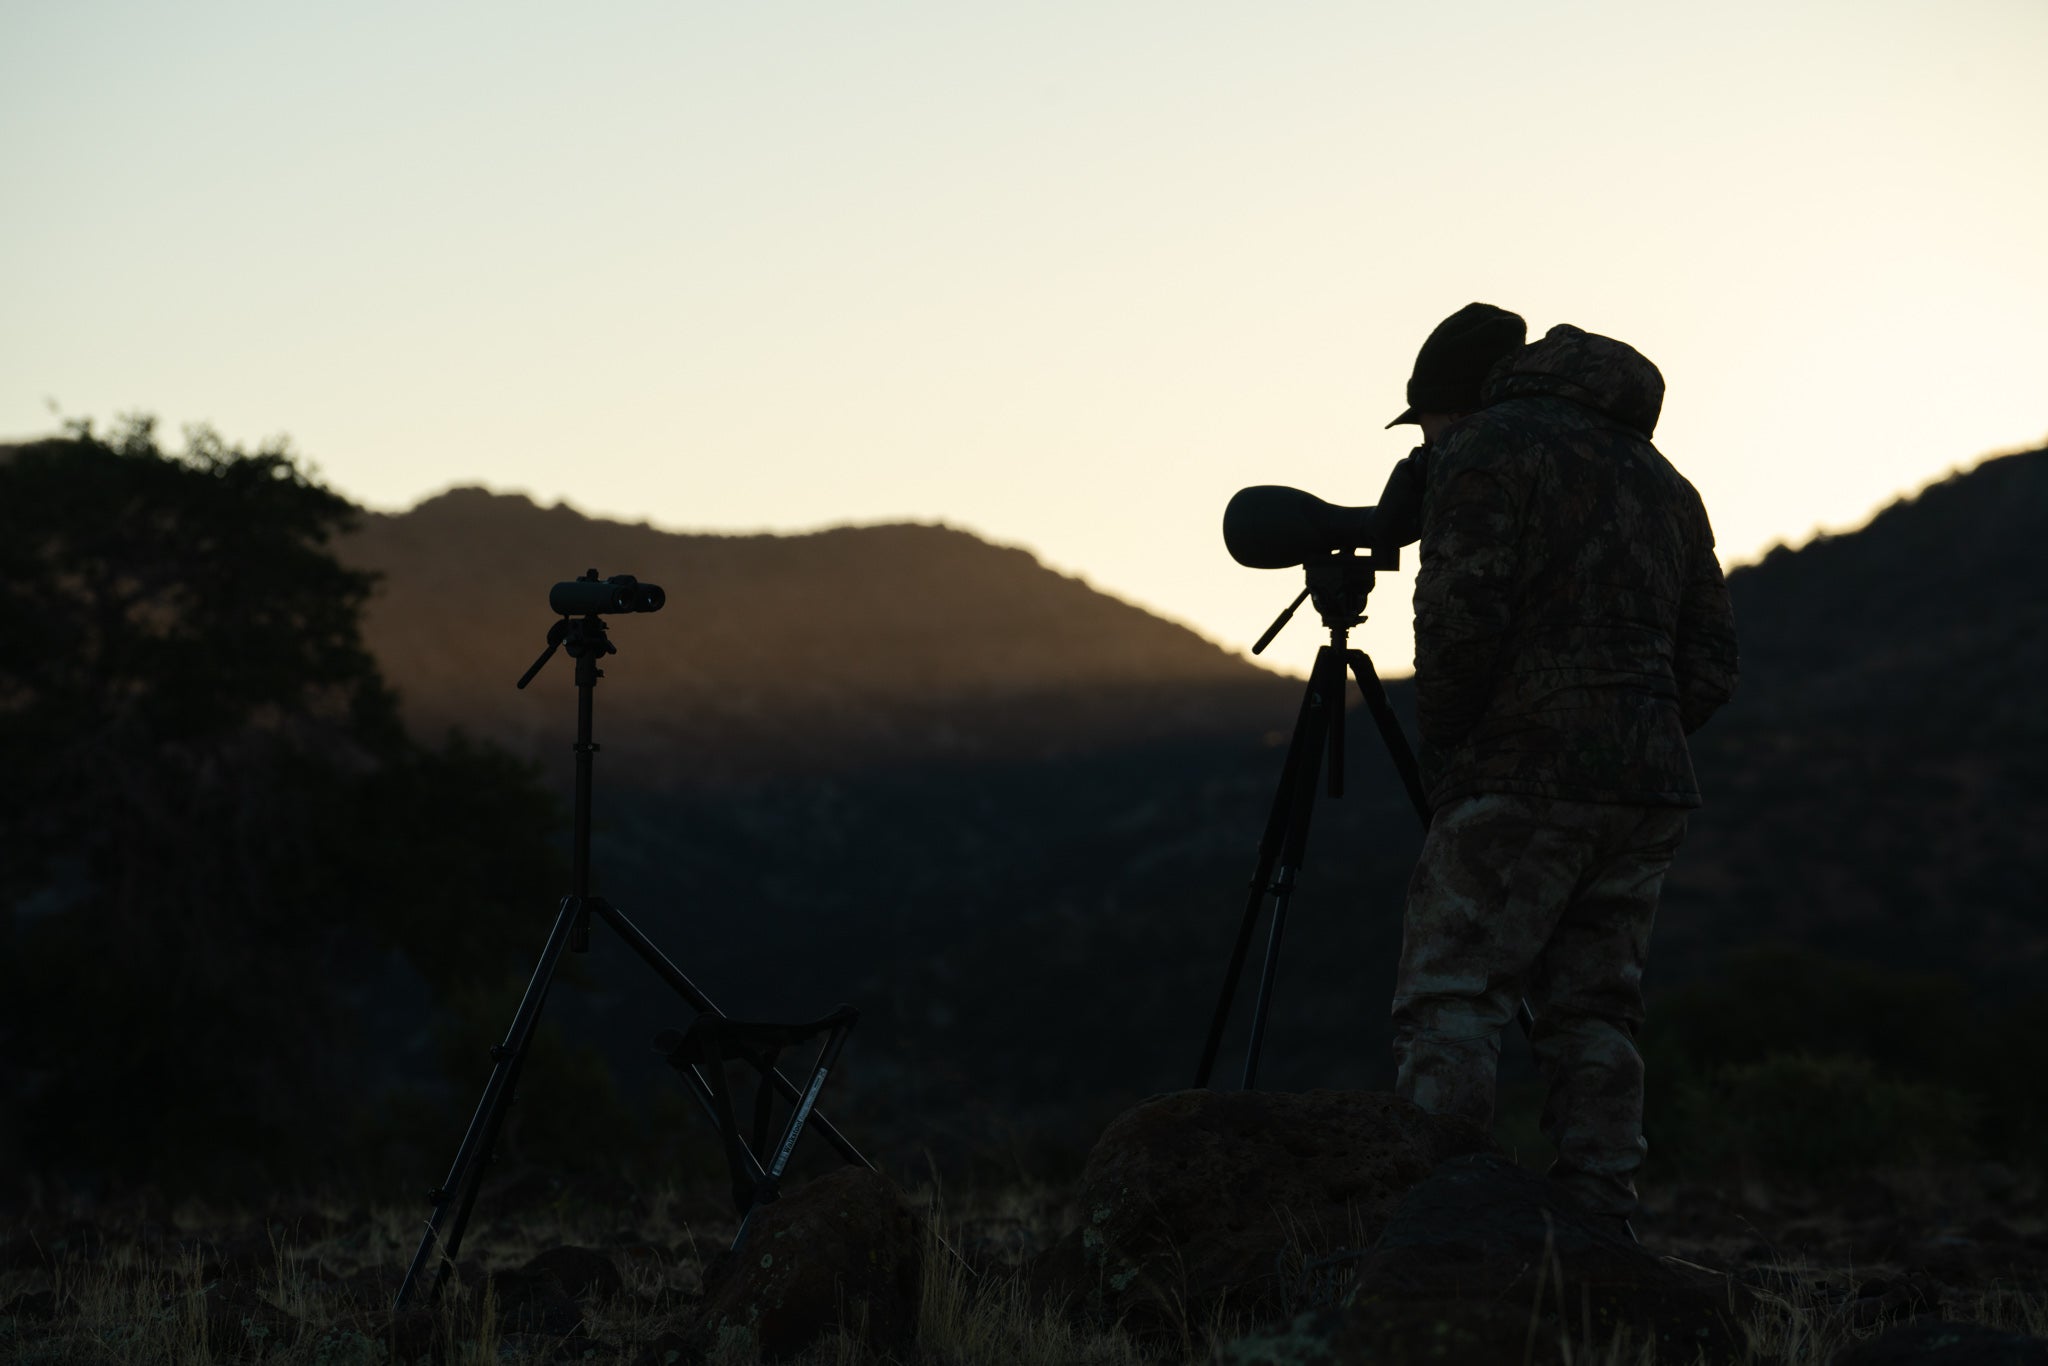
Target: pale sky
pixel 1065 275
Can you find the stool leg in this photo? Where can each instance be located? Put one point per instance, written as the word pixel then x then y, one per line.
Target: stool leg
pixel 828 1057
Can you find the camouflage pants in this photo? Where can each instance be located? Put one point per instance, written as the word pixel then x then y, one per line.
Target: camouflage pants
pixel 1550 900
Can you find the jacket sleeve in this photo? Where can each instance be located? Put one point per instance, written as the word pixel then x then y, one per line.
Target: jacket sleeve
pixel 1465 590
pixel 1704 660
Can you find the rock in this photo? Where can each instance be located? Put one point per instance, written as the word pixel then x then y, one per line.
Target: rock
pixel 1881 1300
pixel 583 1273
pixel 1945 1344
pixel 1202 1203
pixel 1482 1229
pixel 844 1249
pixel 535 1302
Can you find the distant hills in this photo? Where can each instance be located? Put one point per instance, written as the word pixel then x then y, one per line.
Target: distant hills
pixel 1011 818
pixel 776 654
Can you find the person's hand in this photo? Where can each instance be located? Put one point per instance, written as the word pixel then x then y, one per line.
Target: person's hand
pixel 1399 519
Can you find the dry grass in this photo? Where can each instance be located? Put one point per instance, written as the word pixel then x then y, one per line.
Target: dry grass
pixel 324 1299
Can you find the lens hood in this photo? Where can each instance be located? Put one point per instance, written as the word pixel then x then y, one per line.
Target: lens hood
pixel 1271 526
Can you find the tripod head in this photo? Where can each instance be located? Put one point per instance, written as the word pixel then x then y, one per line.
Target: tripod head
pixel 1340 582
pixel 585 639
pixel 585 635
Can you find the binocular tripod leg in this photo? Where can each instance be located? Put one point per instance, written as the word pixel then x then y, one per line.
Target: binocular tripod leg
pixel 478 1141
pixel 507 1058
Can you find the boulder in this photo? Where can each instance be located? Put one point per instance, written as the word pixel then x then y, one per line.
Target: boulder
pixel 1945 1344
pixel 1202 1206
pixel 843 1250
pixel 1481 1229
pixel 583 1273
pixel 535 1302
pixel 1888 1298
pixel 1483 1262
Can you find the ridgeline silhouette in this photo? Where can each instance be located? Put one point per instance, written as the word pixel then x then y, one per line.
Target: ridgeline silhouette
pixel 780 654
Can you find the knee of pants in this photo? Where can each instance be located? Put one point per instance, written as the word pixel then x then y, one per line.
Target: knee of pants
pixel 1614 1071
pixel 1449 1019
pixel 1583 1035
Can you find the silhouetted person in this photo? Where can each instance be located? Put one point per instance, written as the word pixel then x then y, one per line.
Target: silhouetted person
pixel 1571 629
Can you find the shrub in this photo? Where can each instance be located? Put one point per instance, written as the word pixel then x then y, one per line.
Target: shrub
pixel 1808 1116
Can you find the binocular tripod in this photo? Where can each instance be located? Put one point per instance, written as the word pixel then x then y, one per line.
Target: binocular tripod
pixel 1340 586
pixel 698 1056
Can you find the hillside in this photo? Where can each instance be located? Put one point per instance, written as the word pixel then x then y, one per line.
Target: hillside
pixel 779 653
pixel 1879 787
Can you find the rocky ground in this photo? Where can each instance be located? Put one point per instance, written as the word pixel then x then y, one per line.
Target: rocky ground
pixel 1230 1229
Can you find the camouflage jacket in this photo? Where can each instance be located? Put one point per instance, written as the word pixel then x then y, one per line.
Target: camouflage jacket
pixel 1571 623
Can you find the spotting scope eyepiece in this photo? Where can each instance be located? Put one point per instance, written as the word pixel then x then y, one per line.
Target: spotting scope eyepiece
pixel 1271 526
pixel 590 595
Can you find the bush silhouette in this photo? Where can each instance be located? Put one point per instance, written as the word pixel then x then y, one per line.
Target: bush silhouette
pixel 217 829
pixel 1788 1061
pixel 1811 1116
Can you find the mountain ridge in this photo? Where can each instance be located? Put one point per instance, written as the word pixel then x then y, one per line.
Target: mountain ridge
pixel 886 643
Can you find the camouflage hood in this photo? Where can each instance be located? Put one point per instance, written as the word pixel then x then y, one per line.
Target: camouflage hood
pixel 1606 375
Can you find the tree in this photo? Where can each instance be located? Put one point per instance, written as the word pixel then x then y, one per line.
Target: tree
pixel 216 829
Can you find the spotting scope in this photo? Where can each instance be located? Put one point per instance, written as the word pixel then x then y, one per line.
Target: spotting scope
pixel 1271 526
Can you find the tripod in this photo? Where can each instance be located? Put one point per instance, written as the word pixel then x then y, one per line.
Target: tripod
pixel 585 639
pixel 1340 585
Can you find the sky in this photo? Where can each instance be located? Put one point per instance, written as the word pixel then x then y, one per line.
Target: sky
pixel 1064 275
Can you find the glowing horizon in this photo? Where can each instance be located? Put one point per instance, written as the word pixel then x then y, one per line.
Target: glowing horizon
pixel 1065 278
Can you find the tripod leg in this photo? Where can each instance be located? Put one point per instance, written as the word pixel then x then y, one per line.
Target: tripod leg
pixel 685 988
pixel 1370 688
pixel 1326 682
pixel 1333 758
pixel 828 1057
pixel 1301 749
pixel 466 1173
pixel 1283 887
